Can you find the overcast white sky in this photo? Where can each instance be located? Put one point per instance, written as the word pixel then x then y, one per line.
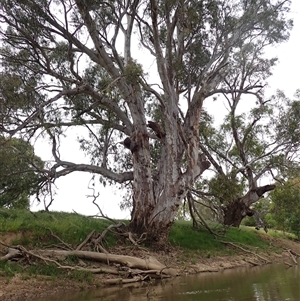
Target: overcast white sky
pixel 72 190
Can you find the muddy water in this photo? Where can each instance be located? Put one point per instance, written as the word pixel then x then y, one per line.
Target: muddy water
pixel 268 283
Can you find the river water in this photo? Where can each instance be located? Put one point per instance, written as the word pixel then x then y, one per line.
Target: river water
pixel 267 283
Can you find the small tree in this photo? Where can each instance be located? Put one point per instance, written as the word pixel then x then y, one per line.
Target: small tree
pixel 76 64
pixel 18 173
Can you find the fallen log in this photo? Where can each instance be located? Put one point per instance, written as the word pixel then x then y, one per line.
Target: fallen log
pixel 149 263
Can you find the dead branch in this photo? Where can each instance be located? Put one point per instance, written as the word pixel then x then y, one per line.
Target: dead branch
pixel 252 262
pixel 193 209
pixel 95 197
pixel 122 281
pixel 12 253
pixel 80 246
pixel 244 250
pixel 3 244
pixel 288 264
pixel 59 239
pixel 101 237
pixel 292 256
pixel 295 253
pixel 136 243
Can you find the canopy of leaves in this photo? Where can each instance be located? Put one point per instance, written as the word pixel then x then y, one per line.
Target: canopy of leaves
pixel 71 64
pixel 18 176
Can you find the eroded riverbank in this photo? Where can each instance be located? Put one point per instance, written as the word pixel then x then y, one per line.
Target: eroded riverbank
pixel 30 288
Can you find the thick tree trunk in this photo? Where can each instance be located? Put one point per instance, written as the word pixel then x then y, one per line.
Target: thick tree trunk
pixel 237 210
pixel 157 195
pixel 159 190
pixel 155 219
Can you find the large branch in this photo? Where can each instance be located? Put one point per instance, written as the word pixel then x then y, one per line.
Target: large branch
pixel 69 167
pixel 253 195
pixel 161 61
pixel 102 56
pixel 111 105
pixel 39 111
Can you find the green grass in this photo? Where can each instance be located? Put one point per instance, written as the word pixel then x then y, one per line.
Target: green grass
pixel 183 235
pixel 9 269
pixel 51 271
pixel 35 232
pixel 246 236
pixel 280 234
pixel 73 229
pixel 70 227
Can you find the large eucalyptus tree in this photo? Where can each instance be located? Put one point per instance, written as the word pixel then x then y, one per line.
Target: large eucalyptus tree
pixel 82 63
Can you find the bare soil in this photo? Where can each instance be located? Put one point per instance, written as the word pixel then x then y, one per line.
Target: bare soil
pixel 19 288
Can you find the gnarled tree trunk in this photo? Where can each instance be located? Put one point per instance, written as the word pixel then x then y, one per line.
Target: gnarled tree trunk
pixel 237 210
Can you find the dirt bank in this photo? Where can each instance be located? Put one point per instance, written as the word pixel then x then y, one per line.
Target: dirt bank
pixel 20 288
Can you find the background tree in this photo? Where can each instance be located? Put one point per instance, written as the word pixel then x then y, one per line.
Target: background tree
pixel 286 206
pixel 246 149
pixel 73 65
pixel 18 173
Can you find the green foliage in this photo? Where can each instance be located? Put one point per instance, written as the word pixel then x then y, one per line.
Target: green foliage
pixel 286 206
pixel 18 172
pixel 225 188
pixel 133 71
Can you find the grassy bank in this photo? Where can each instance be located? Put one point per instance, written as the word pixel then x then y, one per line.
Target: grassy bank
pixel 45 230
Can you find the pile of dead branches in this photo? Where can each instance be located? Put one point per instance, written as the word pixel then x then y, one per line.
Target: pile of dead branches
pixel 93 257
